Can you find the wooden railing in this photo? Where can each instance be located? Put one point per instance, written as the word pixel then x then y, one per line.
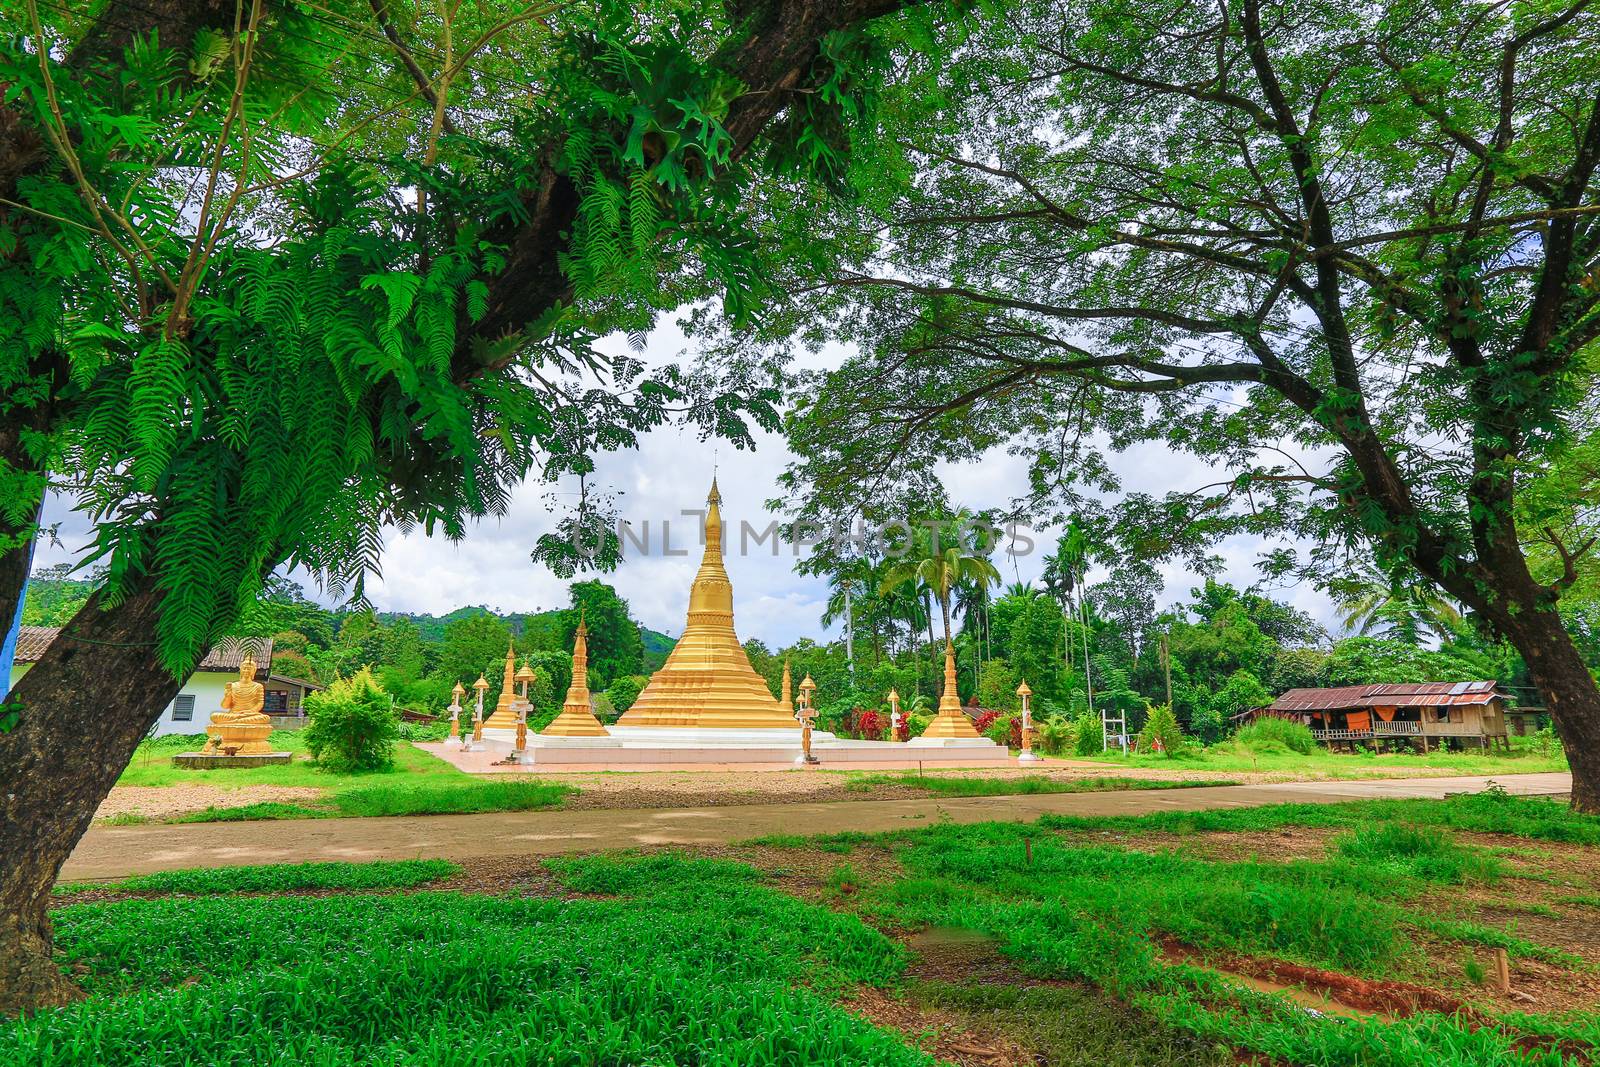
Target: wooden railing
pixel 1404 729
pixel 1341 735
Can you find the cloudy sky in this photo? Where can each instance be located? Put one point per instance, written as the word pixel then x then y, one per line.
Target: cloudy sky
pixel 671 471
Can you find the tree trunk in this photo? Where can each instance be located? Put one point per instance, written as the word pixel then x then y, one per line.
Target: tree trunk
pixel 87 703
pixel 1569 691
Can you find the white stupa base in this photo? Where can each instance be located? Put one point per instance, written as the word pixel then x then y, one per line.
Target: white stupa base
pixel 952 742
pixel 1029 757
pixel 641 748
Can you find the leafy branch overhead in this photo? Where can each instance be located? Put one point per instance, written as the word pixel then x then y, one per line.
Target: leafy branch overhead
pixel 253 352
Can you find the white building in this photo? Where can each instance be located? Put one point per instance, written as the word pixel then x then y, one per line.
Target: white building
pixel 201 695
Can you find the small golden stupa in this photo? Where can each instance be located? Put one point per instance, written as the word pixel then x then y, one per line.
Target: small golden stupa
pixel 950 721
pixel 707 681
pixel 577 713
pixel 505 711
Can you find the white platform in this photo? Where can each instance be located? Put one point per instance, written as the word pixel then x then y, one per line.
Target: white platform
pixel 659 748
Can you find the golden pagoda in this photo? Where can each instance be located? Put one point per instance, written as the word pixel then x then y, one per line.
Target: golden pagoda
pixel 950 721
pixel 505 711
pixel 577 714
pixel 707 681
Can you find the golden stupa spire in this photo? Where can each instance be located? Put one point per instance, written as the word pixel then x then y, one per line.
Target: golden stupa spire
pixel 707 680
pixel 786 698
pixel 577 712
pixel 505 714
pixel 950 721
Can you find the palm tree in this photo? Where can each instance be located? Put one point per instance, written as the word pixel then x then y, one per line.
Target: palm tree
pixel 1375 604
pixel 842 581
pixel 1063 576
pixel 941 563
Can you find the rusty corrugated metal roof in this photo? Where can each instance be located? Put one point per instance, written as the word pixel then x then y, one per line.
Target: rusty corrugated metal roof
pixel 1388 694
pixel 33 640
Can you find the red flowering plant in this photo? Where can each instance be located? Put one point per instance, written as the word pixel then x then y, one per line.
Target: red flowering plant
pixel 869 725
pixel 985 720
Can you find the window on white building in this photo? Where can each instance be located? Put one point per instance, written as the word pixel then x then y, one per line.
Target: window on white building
pixel 183 708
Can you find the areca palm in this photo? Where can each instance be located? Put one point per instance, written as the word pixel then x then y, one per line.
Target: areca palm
pixel 941 564
pixel 853 597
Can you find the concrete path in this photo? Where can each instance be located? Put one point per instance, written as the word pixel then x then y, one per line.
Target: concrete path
pixel 117 851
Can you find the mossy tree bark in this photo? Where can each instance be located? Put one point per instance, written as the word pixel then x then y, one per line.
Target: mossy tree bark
pixel 85 706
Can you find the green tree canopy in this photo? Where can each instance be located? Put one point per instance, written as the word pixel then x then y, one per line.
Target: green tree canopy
pixel 474 645
pixel 1343 255
pixel 615 647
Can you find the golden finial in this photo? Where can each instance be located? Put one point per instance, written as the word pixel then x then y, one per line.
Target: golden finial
pixel 716 495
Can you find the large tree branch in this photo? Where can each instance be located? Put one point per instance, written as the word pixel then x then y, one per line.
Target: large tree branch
pixel 772 51
pixel 424 84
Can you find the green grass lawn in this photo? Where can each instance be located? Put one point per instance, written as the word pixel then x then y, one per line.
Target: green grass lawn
pixel 1522 759
pixel 664 958
pixel 1018 785
pixel 1096 899
pixel 697 963
pixel 417 784
pixel 275 878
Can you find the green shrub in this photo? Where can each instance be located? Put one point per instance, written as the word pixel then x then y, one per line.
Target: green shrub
pixel 625 690
pixel 1054 737
pixel 1088 735
pixel 424 731
pixel 352 726
pixel 1270 733
pixel 1161 730
pixel 999 731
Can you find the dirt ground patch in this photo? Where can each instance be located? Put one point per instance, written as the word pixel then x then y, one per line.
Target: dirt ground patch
pixel 939 1032
pixel 160 802
pixel 1277 846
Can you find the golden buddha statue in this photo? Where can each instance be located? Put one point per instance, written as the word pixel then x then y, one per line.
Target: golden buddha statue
pixel 241 727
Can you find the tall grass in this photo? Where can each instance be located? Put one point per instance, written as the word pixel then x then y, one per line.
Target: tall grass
pixel 428 798
pixel 1272 734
